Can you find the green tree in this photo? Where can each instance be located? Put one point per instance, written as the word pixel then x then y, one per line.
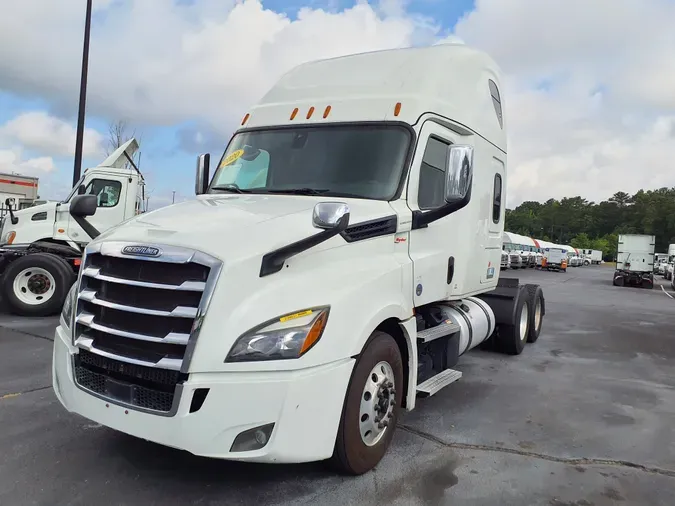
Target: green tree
pixel 584 224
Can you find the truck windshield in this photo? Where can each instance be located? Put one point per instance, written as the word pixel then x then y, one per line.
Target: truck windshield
pixel 360 161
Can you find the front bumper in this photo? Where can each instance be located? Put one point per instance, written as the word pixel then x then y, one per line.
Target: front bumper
pixel 305 407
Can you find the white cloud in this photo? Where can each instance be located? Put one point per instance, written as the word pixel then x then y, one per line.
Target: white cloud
pixel 589 93
pixel 161 62
pixel 12 162
pixel 42 133
pixel 602 122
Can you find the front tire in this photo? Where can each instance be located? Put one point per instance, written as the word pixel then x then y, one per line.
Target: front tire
pixel 371 406
pixel 37 284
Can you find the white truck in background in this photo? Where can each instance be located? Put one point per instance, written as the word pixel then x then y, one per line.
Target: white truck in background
pixel 360 265
pixel 555 259
pixel 670 268
pixel 41 246
pixel 595 256
pixel 505 260
pixel 635 260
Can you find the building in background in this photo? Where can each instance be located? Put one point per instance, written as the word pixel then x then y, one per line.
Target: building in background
pixel 21 191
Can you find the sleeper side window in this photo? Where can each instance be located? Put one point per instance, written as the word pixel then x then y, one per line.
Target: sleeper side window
pixel 497 199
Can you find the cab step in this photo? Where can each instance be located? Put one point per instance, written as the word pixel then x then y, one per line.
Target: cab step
pixel 435 383
pixel 443 329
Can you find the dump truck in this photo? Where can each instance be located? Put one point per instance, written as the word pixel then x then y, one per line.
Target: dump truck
pixel 41 246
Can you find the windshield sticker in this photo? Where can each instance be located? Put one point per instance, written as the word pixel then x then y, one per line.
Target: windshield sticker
pixel 232 157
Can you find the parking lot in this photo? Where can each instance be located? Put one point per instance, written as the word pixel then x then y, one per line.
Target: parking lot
pixel 582 417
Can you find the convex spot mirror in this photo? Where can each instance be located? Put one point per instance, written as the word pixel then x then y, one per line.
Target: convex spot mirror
pixel 459 173
pixel 330 215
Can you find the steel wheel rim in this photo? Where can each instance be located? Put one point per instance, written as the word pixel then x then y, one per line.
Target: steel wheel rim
pixel 378 400
pixel 524 314
pixel 34 286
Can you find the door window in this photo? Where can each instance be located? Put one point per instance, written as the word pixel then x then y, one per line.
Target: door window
pixel 107 191
pixel 431 192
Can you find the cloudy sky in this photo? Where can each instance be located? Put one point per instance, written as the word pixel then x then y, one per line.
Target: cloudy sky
pixel 590 90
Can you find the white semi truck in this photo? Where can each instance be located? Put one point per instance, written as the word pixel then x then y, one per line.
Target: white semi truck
pixel 41 246
pixel 671 262
pixel 344 255
pixel 635 260
pixel 594 256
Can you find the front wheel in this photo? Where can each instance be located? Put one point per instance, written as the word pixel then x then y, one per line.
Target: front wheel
pixel 37 284
pixel 371 406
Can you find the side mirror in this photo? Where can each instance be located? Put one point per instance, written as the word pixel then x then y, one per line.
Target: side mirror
pixel 459 173
pixel 80 189
pixel 202 179
pixel 330 215
pixel 83 205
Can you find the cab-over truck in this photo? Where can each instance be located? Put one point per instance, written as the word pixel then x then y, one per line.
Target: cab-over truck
pixel 343 256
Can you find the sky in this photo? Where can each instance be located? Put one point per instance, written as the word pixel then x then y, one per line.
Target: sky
pixel 589 87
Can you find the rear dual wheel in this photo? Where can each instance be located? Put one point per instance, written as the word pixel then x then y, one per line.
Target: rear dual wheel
pixel 538 309
pixel 512 338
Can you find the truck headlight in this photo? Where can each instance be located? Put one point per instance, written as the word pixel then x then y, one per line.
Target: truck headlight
pixel 69 306
pixel 289 336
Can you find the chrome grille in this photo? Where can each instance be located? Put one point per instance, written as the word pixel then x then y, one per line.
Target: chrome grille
pixel 142 312
pixel 515 257
pixel 505 257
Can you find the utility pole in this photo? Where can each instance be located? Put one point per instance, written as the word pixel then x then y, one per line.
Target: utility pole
pixel 77 168
pixel 173 197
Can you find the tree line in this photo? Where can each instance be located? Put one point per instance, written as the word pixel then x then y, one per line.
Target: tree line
pixel 584 224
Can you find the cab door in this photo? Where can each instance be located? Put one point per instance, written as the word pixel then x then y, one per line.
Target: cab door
pixel 111 194
pixel 437 247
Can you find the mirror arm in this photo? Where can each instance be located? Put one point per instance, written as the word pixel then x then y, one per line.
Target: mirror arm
pixel 90 229
pixel 274 260
pixel 421 219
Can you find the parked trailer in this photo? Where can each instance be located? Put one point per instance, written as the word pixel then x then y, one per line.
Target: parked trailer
pixel 635 260
pixel 292 318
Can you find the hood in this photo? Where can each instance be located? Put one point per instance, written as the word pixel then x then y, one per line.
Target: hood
pixel 30 211
pixel 28 229
pixel 236 226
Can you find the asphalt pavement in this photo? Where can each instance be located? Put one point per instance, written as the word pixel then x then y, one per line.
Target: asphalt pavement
pixel 583 417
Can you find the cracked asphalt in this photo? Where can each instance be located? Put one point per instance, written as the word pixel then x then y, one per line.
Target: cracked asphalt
pixel 583 417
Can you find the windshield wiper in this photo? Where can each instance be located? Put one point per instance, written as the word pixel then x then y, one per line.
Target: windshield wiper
pixel 231 187
pixel 299 191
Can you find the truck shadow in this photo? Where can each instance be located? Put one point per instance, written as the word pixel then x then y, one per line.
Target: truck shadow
pixel 187 475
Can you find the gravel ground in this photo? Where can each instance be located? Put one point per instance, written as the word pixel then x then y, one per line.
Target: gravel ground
pixel 583 417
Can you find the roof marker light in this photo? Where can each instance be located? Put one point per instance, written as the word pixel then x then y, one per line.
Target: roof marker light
pixel 243 122
pixel 294 113
pixel 310 112
pixel 326 112
pixel 397 109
